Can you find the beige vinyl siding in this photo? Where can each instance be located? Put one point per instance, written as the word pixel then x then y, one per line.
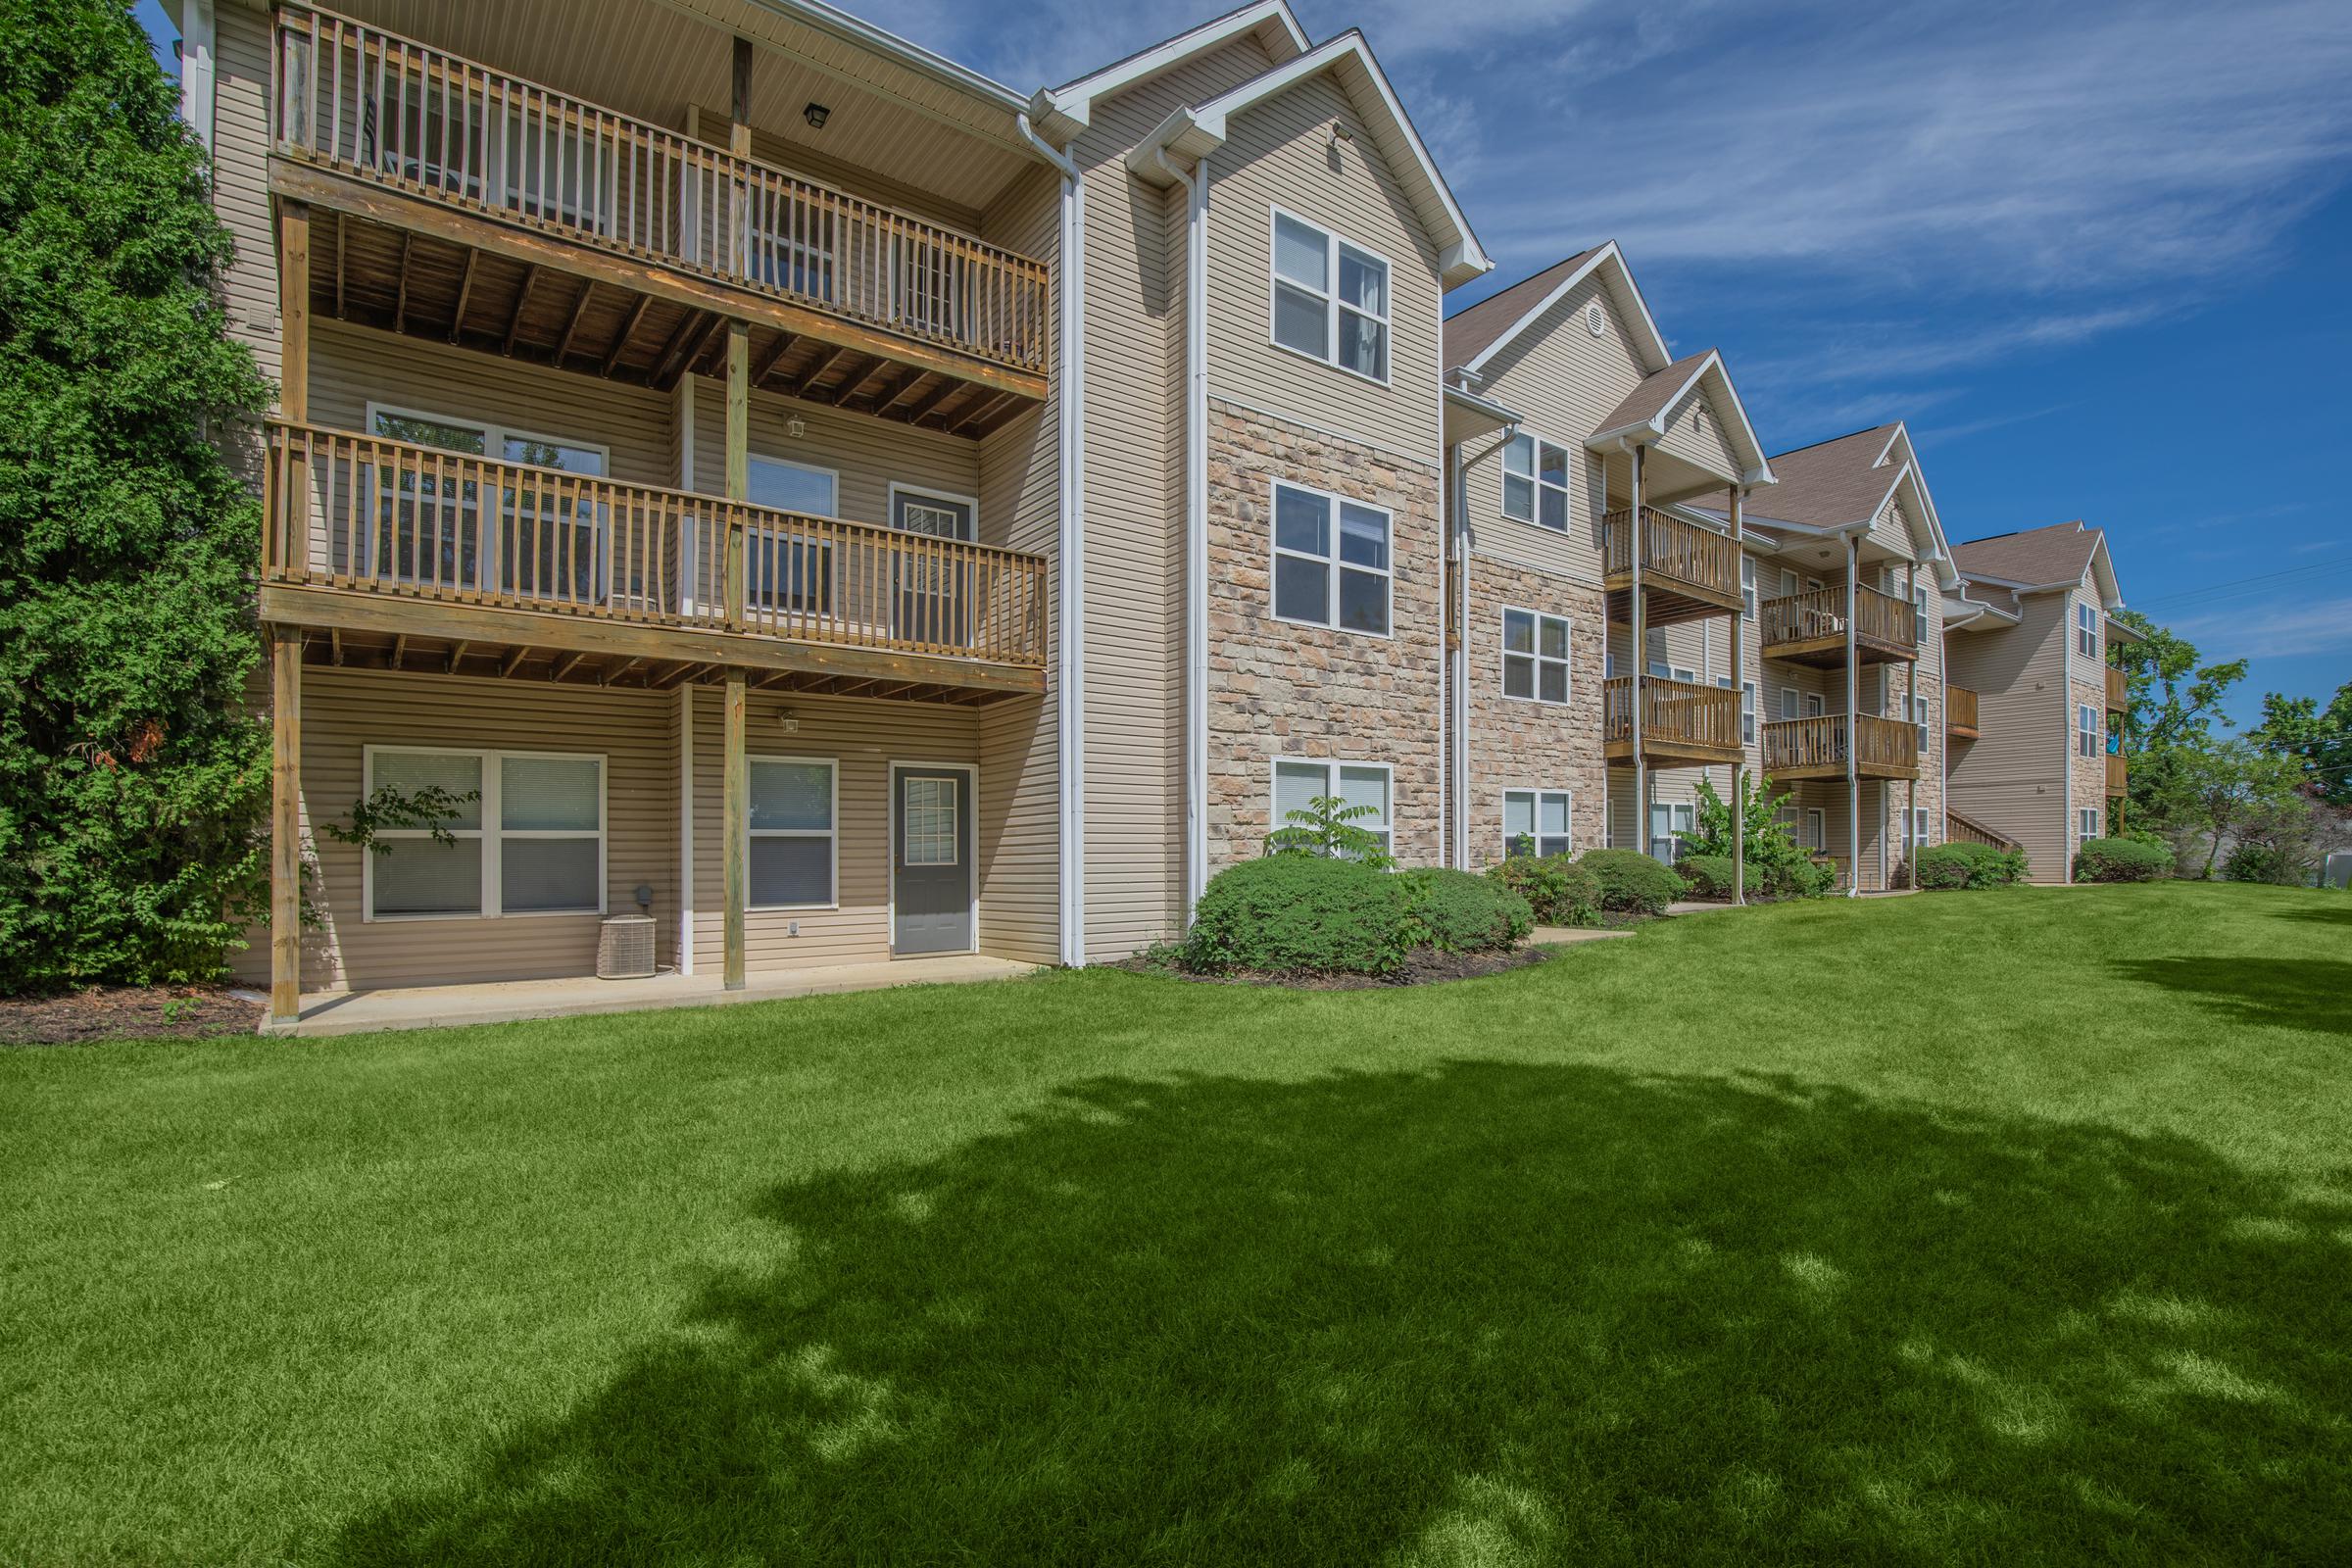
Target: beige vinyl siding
pixel 241 179
pixel 1279 154
pixel 1700 442
pixel 1565 381
pixel 2015 777
pixel 863 738
pixel 344 711
pixel 2079 666
pixel 1891 529
pixel 1134 584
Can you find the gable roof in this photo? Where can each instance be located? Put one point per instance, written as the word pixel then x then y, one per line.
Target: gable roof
pixel 1847 481
pixel 1194 132
pixel 1491 325
pixel 1662 395
pixel 1061 113
pixel 2055 556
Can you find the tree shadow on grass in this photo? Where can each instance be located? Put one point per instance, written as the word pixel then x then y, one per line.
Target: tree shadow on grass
pixel 2314 994
pixel 1489 1313
pixel 2337 912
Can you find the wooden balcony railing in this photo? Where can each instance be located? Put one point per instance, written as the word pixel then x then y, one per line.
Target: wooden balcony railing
pixel 387 108
pixel 1674 554
pixel 1818 614
pixel 1964 829
pixel 1960 713
pixel 1675 715
pixel 356 513
pixel 1814 746
pixel 2118 775
pixel 2119 690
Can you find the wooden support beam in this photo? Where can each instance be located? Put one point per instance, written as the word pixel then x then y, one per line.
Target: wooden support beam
pixel 735 808
pixel 672 372
pixel 851 387
pixel 628 330
pixel 922 407
pixel 456 651
pixel 768 360
pixel 738 463
pixel 457 317
pixel 400 649
pixel 523 299
pixel 400 300
pixel 558 671
pixel 978 412
pixel 285 824
pixel 571 327
pixel 819 368
pixel 613 673
pixel 294 312
pixel 739 101
pixel 334 643
pixel 515 660
pixel 898 392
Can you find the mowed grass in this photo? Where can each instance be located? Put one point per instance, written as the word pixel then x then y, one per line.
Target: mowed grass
pixel 1996 1228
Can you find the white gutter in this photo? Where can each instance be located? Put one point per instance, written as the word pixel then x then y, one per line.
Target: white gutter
pixel 1070 599
pixel 1196 526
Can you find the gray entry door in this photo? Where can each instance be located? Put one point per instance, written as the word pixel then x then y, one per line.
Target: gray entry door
pixel 931 860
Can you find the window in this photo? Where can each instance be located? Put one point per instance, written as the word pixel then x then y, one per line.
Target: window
pixel 429 526
pixel 1669 825
pixel 1747 588
pixel 1298 780
pixel 1747 711
pixel 2086 730
pixel 1331 297
pixel 784 570
pixel 1535 655
pixel 1814 708
pixel 1919 722
pixel 1658 659
pixel 793 850
pixel 1817 829
pixel 1330 561
pixel 2087 629
pixel 2086 822
pixel 531 842
pixel 1789 702
pixel 1919 829
pixel 1788 583
pixel 1535 482
pixel 1539 818
pixel 1919 616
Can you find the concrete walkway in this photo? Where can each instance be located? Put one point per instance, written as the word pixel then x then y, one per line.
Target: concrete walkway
pixel 1553 936
pixel 351 1012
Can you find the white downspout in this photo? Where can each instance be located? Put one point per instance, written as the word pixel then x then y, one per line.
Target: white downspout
pixel 196 70
pixel 1070 600
pixel 1459 663
pixel 1196 526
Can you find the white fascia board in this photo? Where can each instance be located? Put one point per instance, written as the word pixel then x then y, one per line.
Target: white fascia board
pixel 913 55
pixel 1727 398
pixel 2102 574
pixel 1061 113
pixel 1948 573
pixel 1606 256
pixel 1191 134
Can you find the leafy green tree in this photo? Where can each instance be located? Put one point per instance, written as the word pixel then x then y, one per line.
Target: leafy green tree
pixel 1326 825
pixel 2172 700
pixel 2320 738
pixel 2222 790
pixel 133 785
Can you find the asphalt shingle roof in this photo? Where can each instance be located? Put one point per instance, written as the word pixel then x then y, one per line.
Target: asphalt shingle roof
pixel 1473 330
pixel 2060 552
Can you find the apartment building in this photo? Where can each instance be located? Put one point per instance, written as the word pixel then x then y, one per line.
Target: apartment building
pixel 2032 636
pixel 787 484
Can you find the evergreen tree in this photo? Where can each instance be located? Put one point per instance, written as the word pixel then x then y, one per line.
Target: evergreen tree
pixel 133 783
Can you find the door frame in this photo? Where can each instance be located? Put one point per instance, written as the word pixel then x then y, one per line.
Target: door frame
pixel 972 804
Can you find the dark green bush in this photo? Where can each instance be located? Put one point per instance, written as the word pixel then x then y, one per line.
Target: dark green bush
pixel 1455 912
pixel 1631 882
pixel 1709 876
pixel 1556 888
pixel 1298 912
pixel 2122 860
pixel 1968 865
pixel 2267 862
pixel 1798 879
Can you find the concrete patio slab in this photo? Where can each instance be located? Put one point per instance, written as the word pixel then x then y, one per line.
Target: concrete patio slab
pixel 351 1012
pixel 1552 936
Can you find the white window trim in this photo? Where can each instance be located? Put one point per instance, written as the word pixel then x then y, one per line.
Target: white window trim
pixel 2087 629
pixel 2088 743
pixel 1687 811
pixel 1749 590
pixel 1333 239
pixel 832 767
pixel 1540 795
pixel 1919 722
pixel 833 475
pixel 1817 830
pixel 489 807
pixel 1538 484
pixel 2087 825
pixel 1275 550
pixel 926 493
pixel 1922 826
pixel 1751 712
pixel 1566 661
pixel 690 553
pixel 1331 767
pixel 1792 705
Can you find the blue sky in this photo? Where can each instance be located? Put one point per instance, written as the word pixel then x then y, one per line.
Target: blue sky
pixel 2095 253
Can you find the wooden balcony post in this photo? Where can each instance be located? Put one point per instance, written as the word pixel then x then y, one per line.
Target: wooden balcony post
pixel 294 311
pixel 737 805
pixel 285 824
pixel 1738 703
pixel 1632 534
pixel 738 838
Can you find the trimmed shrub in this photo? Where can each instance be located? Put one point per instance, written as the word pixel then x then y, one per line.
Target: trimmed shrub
pixel 1298 912
pixel 1709 876
pixel 1556 888
pixel 2120 860
pixel 1968 865
pixel 1800 879
pixel 2266 862
pixel 1631 882
pixel 1455 912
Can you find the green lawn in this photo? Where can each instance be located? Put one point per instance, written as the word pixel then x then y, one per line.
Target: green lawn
pixel 1990 1228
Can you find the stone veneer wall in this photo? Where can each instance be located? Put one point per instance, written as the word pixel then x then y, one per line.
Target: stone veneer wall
pixel 1276 689
pixel 1526 745
pixel 2087 776
pixel 1928 793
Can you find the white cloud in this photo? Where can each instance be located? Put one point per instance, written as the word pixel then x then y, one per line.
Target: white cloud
pixel 2272 631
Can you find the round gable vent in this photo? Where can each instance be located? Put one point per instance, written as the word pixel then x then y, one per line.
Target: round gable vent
pixel 1596 319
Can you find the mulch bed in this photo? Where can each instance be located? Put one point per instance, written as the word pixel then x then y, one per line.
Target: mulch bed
pixel 132 1012
pixel 1426 966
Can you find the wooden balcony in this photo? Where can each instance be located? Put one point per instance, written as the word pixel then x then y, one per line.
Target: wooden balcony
pixel 2118 690
pixel 1960 713
pixel 1816 747
pixel 1688 573
pixel 411 557
pixel 1809 628
pixel 504 215
pixel 2119 775
pixel 1683 724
